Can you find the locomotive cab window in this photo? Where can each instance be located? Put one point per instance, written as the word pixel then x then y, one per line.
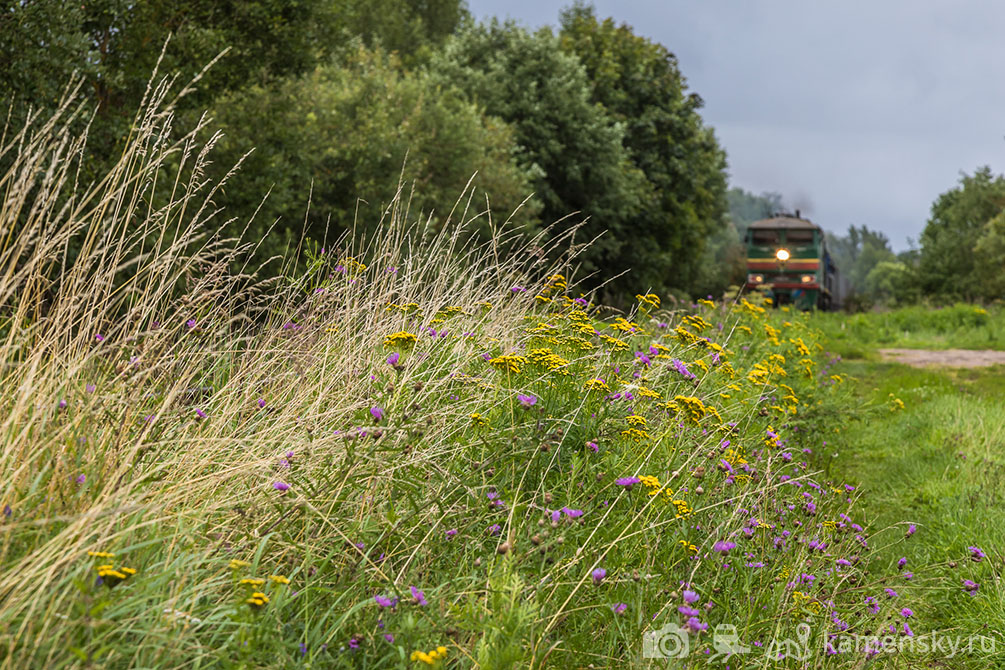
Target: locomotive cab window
pixel 764 237
pixel 799 238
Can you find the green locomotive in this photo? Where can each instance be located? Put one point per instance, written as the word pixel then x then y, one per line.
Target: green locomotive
pixel 787 259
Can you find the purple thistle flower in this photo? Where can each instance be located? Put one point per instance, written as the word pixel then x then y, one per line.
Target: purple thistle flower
pixel 619 608
pixel 593 446
pixel 627 482
pixel 690 597
pixel 353 643
pixel 281 486
pixel 99 337
pixel 389 637
pixel 556 516
pixel 572 513
pixel 419 596
pixel 81 479
pixel 890 593
pixel 261 403
pixel 451 532
pixel 526 400
pixel 976 554
pixel 386 602
pixel 969 585
pixel 682 369
pixel 723 546
pixel 902 562
pixel 907 630
pixel 906 613
pixel 598 575
pixel 688 611
pixel 695 626
pixel 377 413
pixel 494 529
pixel 190 323
pixel 393 359
pixel 910 530
pixel 303 648
pixel 843 561
pixel 90 388
pixel 199 413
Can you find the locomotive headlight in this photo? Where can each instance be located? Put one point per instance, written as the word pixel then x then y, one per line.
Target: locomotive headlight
pixel 807 279
pixel 782 255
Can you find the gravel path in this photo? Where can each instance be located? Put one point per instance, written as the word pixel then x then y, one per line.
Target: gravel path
pixel 952 358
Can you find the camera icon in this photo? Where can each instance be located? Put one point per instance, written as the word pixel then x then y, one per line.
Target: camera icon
pixel 670 641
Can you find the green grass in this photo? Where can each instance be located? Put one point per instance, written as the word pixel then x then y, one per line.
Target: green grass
pixel 960 326
pixel 297 487
pixel 940 464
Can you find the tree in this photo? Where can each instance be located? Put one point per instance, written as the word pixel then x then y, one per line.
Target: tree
pixel 989 256
pixel 348 130
pixel 745 207
pixel 959 217
pixel 639 84
pixel 569 143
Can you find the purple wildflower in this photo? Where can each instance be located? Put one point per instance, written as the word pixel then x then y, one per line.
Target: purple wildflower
pixel 695 626
pixel 389 637
pixel 598 575
pixel 906 613
pixel 976 554
pixel 723 546
pixel 99 337
pixel 199 413
pixel 81 479
pixel 526 400
pixel 844 562
pixel 682 369
pixel 419 596
pixel 593 446
pixel 393 359
pixel 281 486
pixel 890 593
pixel 688 611
pixel 261 403
pixel 494 529
pixel 451 532
pixel 90 388
pixel 971 586
pixel 619 608
pixel 572 513
pixel 690 597
pixel 627 482
pixel 353 643
pixel 190 323
pixel 377 413
pixel 386 602
pixel 910 530
pixel 902 562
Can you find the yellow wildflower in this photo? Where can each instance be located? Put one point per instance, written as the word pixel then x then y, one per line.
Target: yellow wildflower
pixel 279 579
pixel 400 339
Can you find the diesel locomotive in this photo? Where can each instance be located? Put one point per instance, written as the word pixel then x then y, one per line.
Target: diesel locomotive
pixel 788 260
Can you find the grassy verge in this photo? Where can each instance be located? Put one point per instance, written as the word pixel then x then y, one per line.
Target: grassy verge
pixel 939 463
pixel 958 327
pixel 409 453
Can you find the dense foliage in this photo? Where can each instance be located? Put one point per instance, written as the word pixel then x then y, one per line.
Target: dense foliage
pixel 343 102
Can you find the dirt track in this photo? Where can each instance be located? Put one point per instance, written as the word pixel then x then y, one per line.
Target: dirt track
pixel 951 358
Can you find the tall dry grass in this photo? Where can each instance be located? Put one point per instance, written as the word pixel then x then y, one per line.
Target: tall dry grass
pixel 129 310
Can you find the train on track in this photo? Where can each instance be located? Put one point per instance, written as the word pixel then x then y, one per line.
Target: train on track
pixel 788 261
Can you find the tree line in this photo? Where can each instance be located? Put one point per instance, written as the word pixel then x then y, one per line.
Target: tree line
pixel 340 102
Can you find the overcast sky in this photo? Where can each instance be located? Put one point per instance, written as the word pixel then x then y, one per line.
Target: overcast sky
pixel 856 112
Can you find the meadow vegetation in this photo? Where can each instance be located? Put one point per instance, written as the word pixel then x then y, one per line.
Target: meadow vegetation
pixel 408 450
